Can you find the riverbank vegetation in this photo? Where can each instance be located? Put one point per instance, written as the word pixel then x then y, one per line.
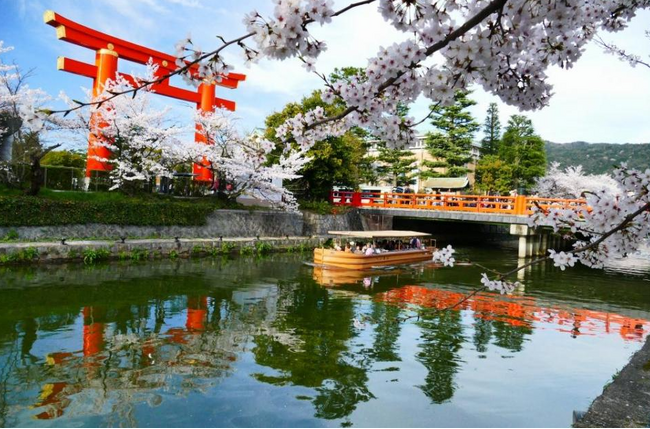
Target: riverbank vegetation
pixel 78 208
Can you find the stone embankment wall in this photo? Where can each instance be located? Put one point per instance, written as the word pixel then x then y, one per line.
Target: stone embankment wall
pixel 315 224
pixel 139 249
pixel 221 223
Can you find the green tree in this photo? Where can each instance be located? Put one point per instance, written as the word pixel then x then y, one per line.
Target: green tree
pixel 450 146
pixel 398 166
pixel 29 149
pixel 493 175
pixel 523 151
pixel 336 161
pixel 65 158
pixel 492 131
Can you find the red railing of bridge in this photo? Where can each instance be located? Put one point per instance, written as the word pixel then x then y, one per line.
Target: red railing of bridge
pixel 519 205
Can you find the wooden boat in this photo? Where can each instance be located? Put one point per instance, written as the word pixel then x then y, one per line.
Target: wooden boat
pixel 333 259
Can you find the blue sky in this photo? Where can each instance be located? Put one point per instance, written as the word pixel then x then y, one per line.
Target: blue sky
pixel 600 100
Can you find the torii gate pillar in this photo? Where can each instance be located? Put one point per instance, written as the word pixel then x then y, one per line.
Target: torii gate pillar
pixel 106 63
pixel 207 92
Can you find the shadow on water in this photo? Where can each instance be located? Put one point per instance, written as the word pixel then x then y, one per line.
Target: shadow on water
pixel 233 341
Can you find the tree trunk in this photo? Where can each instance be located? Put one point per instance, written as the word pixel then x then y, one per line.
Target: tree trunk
pixel 36 176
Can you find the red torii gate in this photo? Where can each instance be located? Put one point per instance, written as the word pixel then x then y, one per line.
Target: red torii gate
pixel 108 50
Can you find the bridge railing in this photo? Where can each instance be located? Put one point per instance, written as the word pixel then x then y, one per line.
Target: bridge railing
pixel 519 205
pixel 553 203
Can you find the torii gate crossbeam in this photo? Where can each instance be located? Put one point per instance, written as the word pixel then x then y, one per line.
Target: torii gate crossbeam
pixel 108 50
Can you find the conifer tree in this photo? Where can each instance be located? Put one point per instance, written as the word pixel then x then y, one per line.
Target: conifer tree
pixel 398 166
pixel 450 146
pixel 524 151
pixel 492 131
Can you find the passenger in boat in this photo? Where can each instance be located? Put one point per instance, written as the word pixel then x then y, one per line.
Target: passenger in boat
pixel 347 248
pixel 370 250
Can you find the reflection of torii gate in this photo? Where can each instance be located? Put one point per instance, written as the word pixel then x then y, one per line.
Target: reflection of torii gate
pixel 55 396
pixel 108 50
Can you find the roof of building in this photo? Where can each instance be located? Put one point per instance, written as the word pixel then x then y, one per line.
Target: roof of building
pixel 445 183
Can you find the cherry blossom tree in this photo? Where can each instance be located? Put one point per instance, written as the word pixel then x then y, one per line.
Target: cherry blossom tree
pixel 144 144
pixel 21 122
pixel 240 164
pixel 572 182
pixel 142 140
pixel 19 104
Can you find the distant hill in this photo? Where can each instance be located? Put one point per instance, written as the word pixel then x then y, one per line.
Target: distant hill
pixel 598 158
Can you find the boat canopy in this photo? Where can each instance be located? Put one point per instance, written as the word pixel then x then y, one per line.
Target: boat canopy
pixel 379 234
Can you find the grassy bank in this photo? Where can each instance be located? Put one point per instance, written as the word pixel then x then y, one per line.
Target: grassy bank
pixel 140 250
pixel 67 208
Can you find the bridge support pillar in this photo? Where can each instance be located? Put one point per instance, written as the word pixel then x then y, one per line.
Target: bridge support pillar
pixel 531 242
pixel 543 250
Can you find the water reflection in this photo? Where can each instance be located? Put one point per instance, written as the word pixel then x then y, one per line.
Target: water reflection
pixel 510 319
pixel 103 346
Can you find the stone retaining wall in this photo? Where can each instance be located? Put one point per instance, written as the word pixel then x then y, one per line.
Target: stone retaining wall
pixel 145 249
pixel 315 224
pixel 220 223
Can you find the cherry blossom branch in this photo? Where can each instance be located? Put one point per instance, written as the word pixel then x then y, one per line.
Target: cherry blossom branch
pixel 494 6
pixel 632 59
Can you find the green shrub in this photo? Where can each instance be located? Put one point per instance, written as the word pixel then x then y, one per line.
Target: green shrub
pixel 25 255
pixel 197 250
pixel 33 211
pixel 139 254
pixel 12 234
pixel 300 248
pixel 246 250
pixel 173 254
pixel 262 247
pixel 323 207
pixel 92 255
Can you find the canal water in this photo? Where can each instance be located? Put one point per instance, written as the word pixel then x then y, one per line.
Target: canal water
pixel 273 342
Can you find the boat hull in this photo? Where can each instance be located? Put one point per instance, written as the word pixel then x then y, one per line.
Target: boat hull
pixel 355 261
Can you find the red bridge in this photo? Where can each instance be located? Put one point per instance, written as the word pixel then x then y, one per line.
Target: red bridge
pixel 380 208
pixel 519 205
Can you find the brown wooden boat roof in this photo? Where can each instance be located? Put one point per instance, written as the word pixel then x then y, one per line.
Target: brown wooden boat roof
pixel 380 234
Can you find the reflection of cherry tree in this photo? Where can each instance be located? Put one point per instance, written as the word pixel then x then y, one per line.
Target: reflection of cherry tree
pixel 318 357
pixel 442 336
